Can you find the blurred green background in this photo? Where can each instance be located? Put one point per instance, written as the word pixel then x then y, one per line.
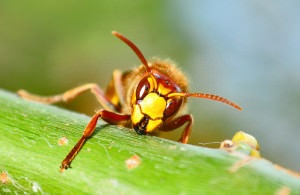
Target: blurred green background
pixel 247 51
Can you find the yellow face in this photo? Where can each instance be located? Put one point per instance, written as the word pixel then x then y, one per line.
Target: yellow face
pixel 151 105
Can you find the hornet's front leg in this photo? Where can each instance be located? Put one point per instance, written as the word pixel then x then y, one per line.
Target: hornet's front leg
pixel 109 117
pixel 178 122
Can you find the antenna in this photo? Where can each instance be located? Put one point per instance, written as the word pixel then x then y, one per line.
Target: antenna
pixel 207 96
pixel 136 50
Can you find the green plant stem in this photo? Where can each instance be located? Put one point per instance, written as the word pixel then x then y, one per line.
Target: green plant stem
pixel 30 156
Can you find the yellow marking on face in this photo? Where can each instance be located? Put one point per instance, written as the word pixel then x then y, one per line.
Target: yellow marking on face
pixel 136 115
pixel 155 113
pixel 153 124
pixel 152 82
pixel 163 90
pixel 153 105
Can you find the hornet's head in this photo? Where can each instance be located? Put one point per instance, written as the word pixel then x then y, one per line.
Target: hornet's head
pixel 157 97
pixel 153 103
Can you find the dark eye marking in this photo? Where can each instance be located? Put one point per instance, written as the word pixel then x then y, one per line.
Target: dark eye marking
pixel 143 89
pixel 172 106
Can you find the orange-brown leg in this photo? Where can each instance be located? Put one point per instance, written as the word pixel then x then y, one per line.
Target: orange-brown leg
pixel 104 99
pixel 178 122
pixel 70 95
pixel 110 117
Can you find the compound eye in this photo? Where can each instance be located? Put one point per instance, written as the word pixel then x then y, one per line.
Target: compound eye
pixel 172 107
pixel 143 89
